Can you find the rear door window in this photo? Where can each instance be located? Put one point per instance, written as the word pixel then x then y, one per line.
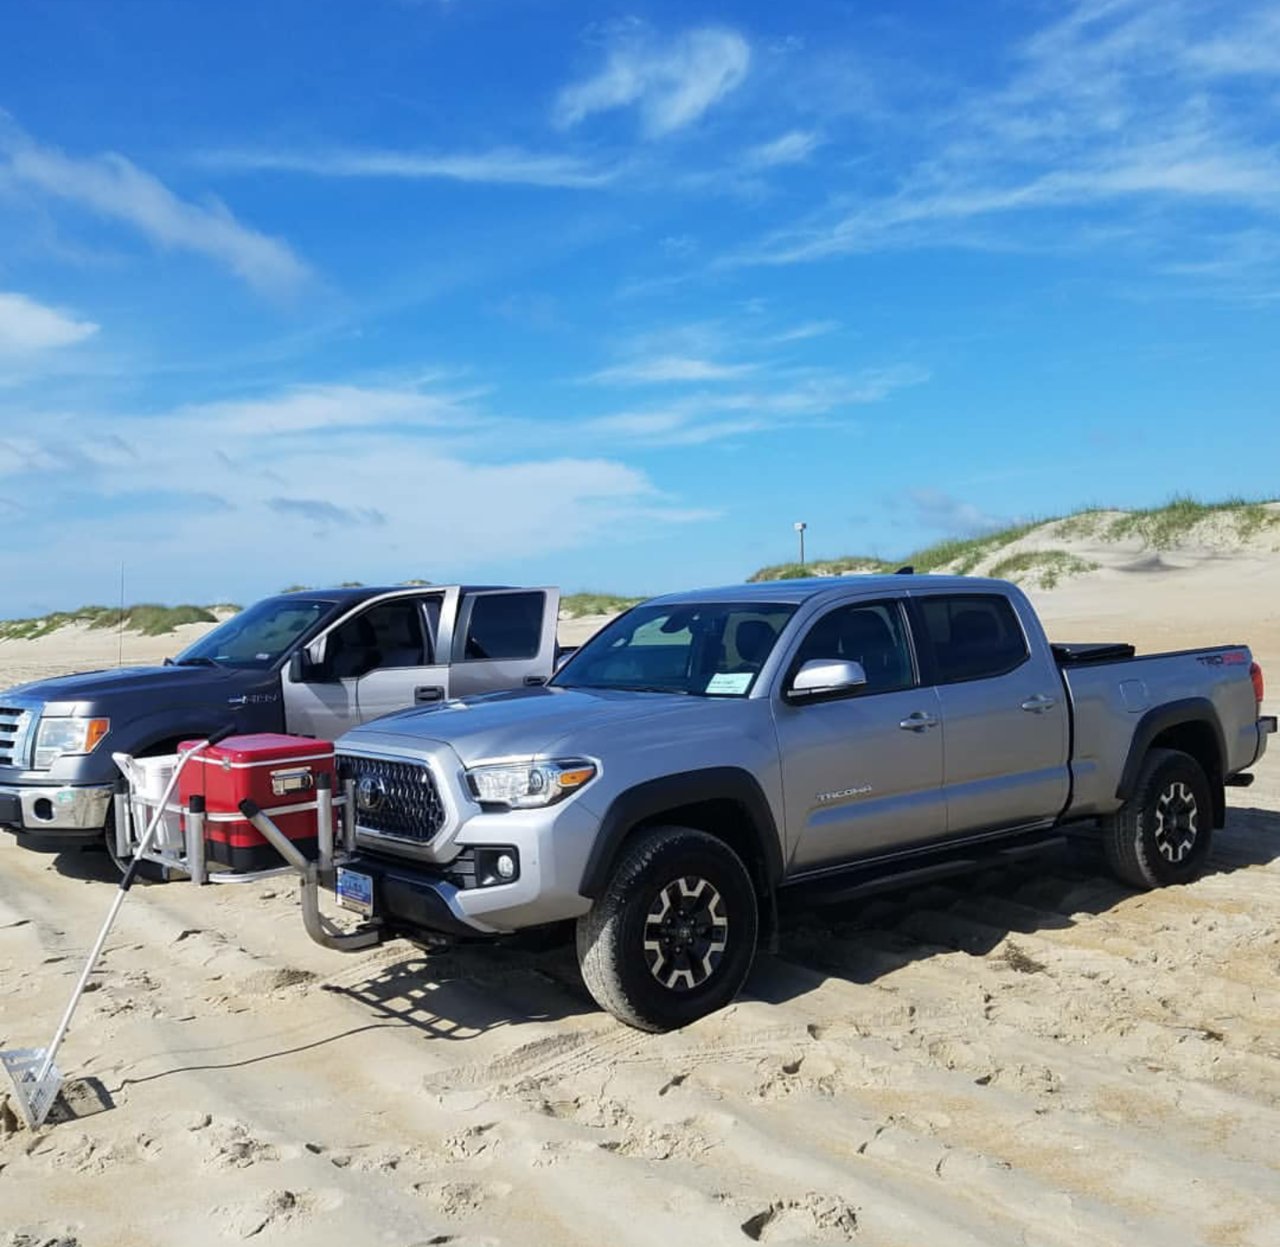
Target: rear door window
pixel 972 636
pixel 504 626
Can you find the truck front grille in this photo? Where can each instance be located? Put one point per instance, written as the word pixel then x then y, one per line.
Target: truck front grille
pixel 14 724
pixel 394 798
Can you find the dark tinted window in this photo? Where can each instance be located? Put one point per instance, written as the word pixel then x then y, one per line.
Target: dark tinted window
pixel 505 625
pixel 973 636
pixel 870 633
pixel 389 635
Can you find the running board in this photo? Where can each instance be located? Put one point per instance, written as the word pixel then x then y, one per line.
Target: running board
pixel 857 882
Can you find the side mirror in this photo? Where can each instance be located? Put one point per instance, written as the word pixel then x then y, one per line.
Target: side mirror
pixel 826 677
pixel 306 664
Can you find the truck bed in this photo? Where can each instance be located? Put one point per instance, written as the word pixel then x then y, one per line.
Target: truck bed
pixel 1118 700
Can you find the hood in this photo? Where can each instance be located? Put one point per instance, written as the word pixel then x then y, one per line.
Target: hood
pixel 94 686
pixel 526 722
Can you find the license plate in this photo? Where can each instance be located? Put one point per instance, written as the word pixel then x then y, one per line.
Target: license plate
pixel 355 891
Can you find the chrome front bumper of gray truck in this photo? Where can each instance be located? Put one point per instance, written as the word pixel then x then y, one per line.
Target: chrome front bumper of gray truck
pixel 68 812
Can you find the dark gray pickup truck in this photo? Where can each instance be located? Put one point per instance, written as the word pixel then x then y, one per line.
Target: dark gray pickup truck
pixel 314 663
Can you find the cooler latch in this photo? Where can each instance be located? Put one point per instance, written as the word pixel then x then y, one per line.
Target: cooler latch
pixel 296 779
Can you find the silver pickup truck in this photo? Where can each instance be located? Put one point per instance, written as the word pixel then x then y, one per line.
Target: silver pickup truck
pixel 706 750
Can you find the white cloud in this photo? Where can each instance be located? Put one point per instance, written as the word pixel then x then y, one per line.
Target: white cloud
pixel 115 188
pixel 794 147
pixel 785 399
pixel 669 368
pixel 671 84
pixel 1116 105
pixel 809 329
pixel 26 325
pixel 500 166
pixel 314 484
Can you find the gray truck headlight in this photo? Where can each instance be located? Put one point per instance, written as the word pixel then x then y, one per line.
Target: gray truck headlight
pixel 54 737
pixel 529 785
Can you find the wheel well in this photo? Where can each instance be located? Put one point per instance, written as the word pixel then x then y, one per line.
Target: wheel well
pixel 167 744
pixel 726 819
pixel 1198 739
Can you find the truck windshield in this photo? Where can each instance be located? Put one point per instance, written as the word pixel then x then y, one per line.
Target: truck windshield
pixel 257 637
pixel 709 649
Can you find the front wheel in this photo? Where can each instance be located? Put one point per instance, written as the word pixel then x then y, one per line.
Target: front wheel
pixel 1163 833
pixel 674 934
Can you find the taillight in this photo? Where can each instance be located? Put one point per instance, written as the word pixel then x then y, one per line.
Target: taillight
pixel 1255 674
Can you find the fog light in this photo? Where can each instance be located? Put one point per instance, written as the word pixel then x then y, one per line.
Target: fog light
pixel 499 864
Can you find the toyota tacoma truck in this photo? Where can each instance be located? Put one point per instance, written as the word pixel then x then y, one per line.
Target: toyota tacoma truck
pixel 706 751
pixel 312 663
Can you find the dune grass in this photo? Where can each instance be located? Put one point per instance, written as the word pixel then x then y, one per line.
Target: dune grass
pixel 148 618
pixel 1157 527
pixel 1045 568
pixel 1161 528
pixel 575 605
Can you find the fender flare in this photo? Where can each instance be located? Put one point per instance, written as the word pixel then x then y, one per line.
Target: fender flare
pixel 652 798
pixel 1160 719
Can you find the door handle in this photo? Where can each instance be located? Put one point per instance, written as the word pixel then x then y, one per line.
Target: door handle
pixel 918 722
pixel 1039 703
pixel 428 692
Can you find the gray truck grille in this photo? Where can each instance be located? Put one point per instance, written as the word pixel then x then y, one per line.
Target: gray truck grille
pixel 13 736
pixel 394 798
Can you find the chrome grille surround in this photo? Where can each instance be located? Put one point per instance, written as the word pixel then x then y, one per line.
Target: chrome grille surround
pixel 17 728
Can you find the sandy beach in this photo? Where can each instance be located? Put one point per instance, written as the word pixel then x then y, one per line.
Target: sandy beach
pixel 1034 1055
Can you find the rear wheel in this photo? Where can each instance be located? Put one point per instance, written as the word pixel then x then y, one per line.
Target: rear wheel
pixel 674 934
pixel 1164 832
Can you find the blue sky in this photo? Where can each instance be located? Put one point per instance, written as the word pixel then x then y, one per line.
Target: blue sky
pixel 609 295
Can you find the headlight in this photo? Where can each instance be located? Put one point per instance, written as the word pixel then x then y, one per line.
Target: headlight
pixel 71 735
pixel 528 785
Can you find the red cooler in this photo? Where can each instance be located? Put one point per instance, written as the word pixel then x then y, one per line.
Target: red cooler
pixel 278 772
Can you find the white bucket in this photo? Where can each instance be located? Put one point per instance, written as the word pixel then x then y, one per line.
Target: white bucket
pixel 148 778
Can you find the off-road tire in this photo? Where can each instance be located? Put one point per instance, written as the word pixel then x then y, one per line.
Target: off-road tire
pixel 617 938
pixel 1164 832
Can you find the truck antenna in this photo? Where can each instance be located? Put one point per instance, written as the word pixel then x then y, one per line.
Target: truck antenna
pixel 120 623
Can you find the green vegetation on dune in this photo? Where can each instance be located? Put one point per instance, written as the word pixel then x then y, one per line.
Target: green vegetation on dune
pixel 1164 527
pixel 148 618
pixel 575 605
pixel 1156 527
pixel 960 555
pixel 1044 568
pixel 820 567
pixel 153 619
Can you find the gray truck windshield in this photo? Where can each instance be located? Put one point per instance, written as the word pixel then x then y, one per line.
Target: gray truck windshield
pixel 711 649
pixel 257 637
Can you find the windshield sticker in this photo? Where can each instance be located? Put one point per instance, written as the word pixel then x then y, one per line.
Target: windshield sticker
pixel 729 682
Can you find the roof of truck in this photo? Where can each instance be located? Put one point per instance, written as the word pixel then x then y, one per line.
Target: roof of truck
pixel 363 592
pixel 796 591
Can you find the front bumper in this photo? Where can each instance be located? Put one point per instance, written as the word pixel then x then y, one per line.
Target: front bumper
pixel 410 894
pixel 59 809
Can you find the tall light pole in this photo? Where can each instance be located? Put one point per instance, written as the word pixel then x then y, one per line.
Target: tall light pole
pixel 800 526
